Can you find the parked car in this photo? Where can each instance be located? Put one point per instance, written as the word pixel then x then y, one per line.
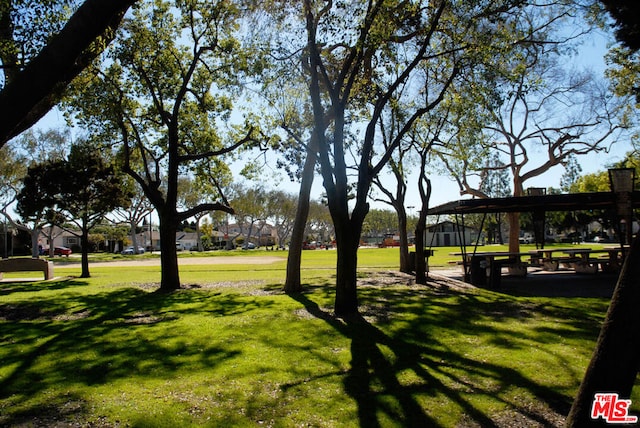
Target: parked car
pixel 130 251
pixel 249 246
pixel 57 251
pixel 526 238
pixel 309 245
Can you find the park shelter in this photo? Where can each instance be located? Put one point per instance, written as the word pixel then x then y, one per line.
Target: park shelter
pixel 546 203
pixel 622 203
pixel 538 204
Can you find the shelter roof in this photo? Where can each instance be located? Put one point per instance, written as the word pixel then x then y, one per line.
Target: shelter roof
pixel 562 202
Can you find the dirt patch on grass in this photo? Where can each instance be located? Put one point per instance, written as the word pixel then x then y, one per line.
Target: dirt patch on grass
pixel 435 282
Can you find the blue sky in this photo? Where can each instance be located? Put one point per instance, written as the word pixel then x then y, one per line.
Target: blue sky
pixel 444 188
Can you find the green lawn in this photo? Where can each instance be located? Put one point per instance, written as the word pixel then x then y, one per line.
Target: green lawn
pixel 233 350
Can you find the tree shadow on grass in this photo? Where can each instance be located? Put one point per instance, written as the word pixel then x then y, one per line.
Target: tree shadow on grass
pixel 7 287
pixel 400 376
pixel 54 343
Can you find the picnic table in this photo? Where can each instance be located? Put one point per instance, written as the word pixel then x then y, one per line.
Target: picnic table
pixel 486 266
pixel 585 262
pixel 545 257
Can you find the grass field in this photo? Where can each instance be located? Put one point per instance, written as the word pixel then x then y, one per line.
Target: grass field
pixel 232 350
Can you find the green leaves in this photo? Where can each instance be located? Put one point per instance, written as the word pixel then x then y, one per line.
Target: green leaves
pixel 83 185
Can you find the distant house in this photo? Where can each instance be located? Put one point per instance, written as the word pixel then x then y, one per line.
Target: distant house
pixel 261 234
pixel 186 240
pixel 219 239
pixel 58 237
pixel 446 234
pixel 150 241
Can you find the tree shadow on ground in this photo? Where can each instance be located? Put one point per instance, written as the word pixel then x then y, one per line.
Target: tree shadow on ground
pixel 381 361
pixel 8 287
pixel 94 339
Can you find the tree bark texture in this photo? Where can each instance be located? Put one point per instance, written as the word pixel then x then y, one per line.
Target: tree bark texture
pixel 35 249
pixel 84 243
pixel 347 242
pixel 514 232
pixel 170 276
pixel 421 266
pixel 615 362
pixel 405 265
pixel 293 282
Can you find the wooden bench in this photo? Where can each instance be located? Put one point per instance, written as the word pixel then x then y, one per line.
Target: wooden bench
pixel 27 265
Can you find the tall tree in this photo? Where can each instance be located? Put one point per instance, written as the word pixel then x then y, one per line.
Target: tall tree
pixel 572 172
pixel 366 55
pixel 398 162
pixel 36 147
pixel 36 200
pixel 87 188
pixel 163 95
pixel 543 107
pixel 250 206
pixel 283 87
pixel 293 282
pixel 494 182
pixel 83 187
pixel 135 212
pixel 12 170
pixel 361 58
pixel 281 209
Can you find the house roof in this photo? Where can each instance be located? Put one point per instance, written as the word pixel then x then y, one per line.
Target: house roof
pixel 186 236
pixel 563 202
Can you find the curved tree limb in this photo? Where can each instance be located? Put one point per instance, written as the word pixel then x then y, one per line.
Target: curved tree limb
pixel 38 87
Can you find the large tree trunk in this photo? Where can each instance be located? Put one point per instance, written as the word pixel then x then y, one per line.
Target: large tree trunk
pixel 405 265
pixel 170 276
pixel 514 218
pixel 347 241
pixel 84 243
pixel 35 248
pixel 514 232
pixel 424 189
pixel 421 266
pixel 293 283
pixel 134 236
pixel 616 359
pixel 199 235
